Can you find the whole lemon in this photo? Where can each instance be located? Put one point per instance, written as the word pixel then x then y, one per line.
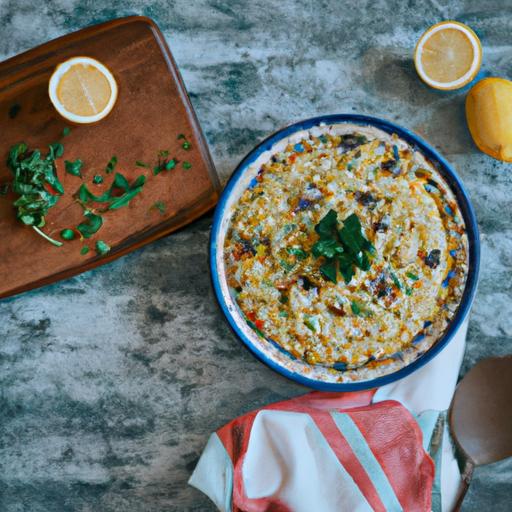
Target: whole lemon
pixel 489 117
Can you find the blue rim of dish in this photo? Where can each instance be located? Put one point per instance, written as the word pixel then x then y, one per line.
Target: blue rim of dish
pixel 449 174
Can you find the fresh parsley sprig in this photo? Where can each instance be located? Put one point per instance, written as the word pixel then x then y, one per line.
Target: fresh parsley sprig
pixel 114 201
pixel 36 183
pixel 342 249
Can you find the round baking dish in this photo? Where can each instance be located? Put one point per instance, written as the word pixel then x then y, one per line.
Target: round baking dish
pixel 270 352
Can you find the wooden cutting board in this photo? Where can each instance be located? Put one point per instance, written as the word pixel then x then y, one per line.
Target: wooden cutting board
pixel 152 109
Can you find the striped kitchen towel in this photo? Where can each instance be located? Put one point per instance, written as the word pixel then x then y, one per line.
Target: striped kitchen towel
pixel 381 450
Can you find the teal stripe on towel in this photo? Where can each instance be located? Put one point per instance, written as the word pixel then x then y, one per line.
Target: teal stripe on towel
pixel 367 459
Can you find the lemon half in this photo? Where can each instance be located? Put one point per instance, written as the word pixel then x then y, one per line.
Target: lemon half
pixel 82 90
pixel 448 55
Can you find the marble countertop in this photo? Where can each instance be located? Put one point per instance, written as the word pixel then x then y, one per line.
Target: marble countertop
pixel 111 382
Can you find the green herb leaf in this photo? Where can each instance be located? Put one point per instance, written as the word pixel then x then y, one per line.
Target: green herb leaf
pixel 186 145
pixel 395 280
pixel 56 150
pixel 327 247
pixel 348 245
pixel 91 226
pixel 32 178
pixel 160 206
pixel 312 323
pixel 329 270
pixel 102 248
pixel 327 225
pixel 138 163
pixel 115 201
pixel 181 136
pixel 67 234
pixel 287 266
pixel 356 308
pixel 84 250
pixel 283 314
pixel 347 272
pixel 74 168
pixel 98 179
pixel 171 164
pixel 412 276
pixel 187 165
pixel 408 291
pixel 111 165
pixel 299 253
pixel 66 131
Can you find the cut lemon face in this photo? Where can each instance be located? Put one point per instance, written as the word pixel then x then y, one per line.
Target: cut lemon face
pixel 82 90
pixel 448 55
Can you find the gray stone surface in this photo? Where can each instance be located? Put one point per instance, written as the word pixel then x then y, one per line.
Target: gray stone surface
pixel 110 382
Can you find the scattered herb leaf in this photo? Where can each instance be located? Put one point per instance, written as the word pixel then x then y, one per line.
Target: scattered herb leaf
pixel 171 164
pixel 102 248
pixel 329 270
pixel 98 179
pixel 187 165
pixel 287 266
pixel 111 165
pixel 395 280
pixel 412 276
pixel 181 136
pixel 67 234
pixel 160 206
pixel 299 253
pixel 74 168
pixel 312 323
pixel 115 201
pixel 163 153
pixel 84 250
pixel 91 226
pixel 138 163
pixel 56 150
pixel 186 145
pixel 355 307
pixel 66 131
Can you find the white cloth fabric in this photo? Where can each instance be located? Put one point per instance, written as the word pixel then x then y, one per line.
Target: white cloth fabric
pixel 280 446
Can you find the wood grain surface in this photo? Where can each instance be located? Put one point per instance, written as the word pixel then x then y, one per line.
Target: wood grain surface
pixel 151 110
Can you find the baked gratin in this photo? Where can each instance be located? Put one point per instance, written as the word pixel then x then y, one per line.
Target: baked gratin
pixel 347 250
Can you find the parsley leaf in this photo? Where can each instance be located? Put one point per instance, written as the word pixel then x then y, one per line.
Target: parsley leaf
pixel 327 226
pixel 111 165
pixel 74 168
pixel 91 226
pixel 343 248
pixel 329 270
pixel 102 248
pixel 412 276
pixel 33 176
pixel 299 253
pixel 160 206
pixel 115 202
